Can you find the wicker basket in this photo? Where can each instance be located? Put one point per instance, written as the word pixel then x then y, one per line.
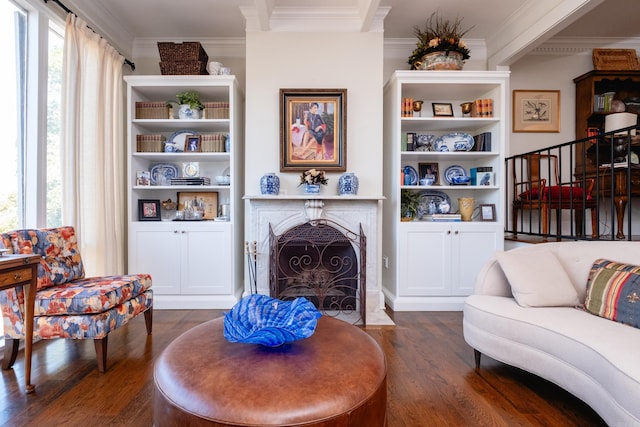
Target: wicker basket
pixel 183 68
pixel 216 110
pixel 149 143
pixel 152 110
pixel 615 59
pixel 185 51
pixel 212 142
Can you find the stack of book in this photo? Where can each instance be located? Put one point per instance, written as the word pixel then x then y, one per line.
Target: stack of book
pixel 446 217
pixel 482 142
pixel 482 107
pixel 407 107
pixel 191 181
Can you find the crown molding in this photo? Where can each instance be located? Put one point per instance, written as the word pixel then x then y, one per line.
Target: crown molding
pixel 317 19
pixel 577 45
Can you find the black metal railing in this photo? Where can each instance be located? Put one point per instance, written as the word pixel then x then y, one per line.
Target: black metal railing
pixel 578 190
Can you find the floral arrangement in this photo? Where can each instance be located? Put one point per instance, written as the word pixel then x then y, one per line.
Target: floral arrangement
pixel 439 35
pixel 313 176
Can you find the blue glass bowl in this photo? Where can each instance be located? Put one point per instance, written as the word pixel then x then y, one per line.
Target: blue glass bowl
pixel 259 319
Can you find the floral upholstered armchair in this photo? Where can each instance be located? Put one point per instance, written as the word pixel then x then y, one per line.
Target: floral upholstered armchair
pixel 67 304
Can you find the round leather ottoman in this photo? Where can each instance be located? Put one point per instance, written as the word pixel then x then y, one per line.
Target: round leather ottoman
pixel 337 377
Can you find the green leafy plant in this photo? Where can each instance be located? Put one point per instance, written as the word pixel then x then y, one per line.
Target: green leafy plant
pixel 409 202
pixel 439 35
pixel 190 97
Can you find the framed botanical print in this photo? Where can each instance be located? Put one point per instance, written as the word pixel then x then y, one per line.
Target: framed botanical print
pixel 536 111
pixel 313 129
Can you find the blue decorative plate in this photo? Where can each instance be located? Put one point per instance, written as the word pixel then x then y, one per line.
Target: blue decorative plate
pixel 166 170
pixel 433 201
pixel 412 173
pixel 175 143
pixel 455 141
pixel 259 319
pixel 452 173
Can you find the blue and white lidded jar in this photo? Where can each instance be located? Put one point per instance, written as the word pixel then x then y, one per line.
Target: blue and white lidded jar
pixel 348 184
pixel 270 184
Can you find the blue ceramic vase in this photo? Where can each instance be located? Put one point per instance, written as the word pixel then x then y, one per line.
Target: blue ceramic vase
pixel 312 189
pixel 348 184
pixel 270 184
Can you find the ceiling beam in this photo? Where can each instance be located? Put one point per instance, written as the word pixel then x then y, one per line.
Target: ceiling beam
pixel 264 9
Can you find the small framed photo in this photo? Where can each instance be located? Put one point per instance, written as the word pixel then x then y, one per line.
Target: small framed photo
pixel 143 178
pixel 193 143
pixel 427 170
pixel 205 200
pixel 148 210
pixel 536 111
pixel 442 109
pixel 488 212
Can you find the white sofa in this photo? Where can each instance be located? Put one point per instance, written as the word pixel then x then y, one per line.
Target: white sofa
pixel 595 359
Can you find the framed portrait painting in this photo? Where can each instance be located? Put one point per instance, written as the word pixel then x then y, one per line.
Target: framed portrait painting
pixel 313 129
pixel 148 210
pixel 536 111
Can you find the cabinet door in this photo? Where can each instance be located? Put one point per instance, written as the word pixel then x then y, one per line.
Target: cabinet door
pixel 470 250
pixel 157 252
pixel 424 261
pixel 207 261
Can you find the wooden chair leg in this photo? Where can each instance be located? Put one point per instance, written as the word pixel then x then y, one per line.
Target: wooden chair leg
pixel 101 353
pixel 579 222
pixel 594 224
pixel 148 319
pixel 11 346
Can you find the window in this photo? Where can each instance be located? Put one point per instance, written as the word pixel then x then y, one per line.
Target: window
pixel 30 189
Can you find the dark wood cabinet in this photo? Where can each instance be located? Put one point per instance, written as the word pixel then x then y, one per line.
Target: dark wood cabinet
pixel 625 85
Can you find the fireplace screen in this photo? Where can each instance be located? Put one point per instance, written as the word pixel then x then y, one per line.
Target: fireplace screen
pixel 318 260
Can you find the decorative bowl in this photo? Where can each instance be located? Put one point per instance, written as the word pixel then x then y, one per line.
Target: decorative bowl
pixel 459 180
pixel 259 319
pixel 223 179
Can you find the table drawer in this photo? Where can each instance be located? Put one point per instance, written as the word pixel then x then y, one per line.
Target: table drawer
pixel 19 275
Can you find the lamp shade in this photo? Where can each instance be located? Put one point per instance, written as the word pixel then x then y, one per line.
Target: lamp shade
pixel 619 121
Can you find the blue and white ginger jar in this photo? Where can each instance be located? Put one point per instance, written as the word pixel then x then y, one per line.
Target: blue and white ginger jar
pixel 348 184
pixel 270 184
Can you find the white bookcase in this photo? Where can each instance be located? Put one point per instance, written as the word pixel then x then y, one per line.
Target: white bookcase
pixel 194 264
pixel 431 265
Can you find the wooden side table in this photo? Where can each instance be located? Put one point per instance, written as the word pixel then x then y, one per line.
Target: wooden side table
pixel 16 270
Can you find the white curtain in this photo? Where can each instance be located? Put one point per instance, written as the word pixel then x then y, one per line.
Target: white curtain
pixel 93 148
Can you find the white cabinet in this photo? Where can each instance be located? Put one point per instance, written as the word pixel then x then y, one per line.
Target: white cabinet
pixel 442 260
pixel 428 264
pixel 194 264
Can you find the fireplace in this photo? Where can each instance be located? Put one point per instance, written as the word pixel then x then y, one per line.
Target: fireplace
pixel 270 217
pixel 318 260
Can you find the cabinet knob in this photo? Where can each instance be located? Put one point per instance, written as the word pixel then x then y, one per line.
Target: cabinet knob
pixel 448 231
pixel 183 232
pixel 456 232
pixel 175 231
pixel 17 276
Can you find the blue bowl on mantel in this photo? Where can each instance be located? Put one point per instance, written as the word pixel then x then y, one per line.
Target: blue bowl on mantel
pixel 259 319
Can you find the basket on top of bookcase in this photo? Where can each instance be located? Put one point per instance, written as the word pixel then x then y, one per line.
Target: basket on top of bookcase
pixel 185 51
pixel 186 58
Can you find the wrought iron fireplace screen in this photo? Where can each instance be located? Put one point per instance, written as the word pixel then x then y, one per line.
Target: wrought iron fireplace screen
pixel 318 260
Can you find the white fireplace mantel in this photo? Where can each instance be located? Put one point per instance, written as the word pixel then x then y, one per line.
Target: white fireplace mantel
pixel 283 212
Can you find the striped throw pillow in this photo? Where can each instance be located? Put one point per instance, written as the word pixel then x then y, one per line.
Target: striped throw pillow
pixel 613 292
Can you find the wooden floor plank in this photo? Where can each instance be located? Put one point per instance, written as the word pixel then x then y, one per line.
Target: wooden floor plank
pixel 431 379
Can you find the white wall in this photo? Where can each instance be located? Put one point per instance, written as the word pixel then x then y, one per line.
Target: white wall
pixel 278 60
pixel 548 72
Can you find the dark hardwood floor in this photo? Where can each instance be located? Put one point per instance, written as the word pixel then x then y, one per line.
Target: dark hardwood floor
pixel 431 379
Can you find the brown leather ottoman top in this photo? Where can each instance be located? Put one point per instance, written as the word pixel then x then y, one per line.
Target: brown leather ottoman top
pixel 337 377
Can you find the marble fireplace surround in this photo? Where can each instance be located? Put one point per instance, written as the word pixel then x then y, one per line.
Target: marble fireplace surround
pixel 350 212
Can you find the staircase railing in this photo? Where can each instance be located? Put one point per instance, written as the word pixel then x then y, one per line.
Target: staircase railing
pixel 604 166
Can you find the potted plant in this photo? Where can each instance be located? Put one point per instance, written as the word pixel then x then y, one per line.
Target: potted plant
pixel 311 179
pixel 409 202
pixel 439 45
pixel 189 104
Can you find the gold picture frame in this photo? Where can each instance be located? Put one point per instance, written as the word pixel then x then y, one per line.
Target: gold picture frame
pixel 307 115
pixel 536 111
